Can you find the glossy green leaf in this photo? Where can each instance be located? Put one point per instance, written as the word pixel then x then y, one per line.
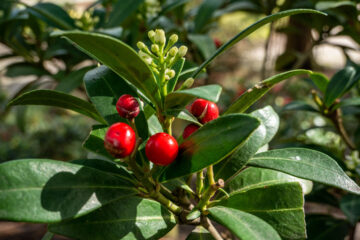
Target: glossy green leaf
pixel 338 84
pixel 121 10
pixel 299 106
pixel 244 225
pixel 53 15
pixel 320 80
pixel 200 233
pixel 210 144
pixel 261 136
pixel 253 94
pixel 247 31
pixel 348 102
pixel 42 190
pixel 178 66
pixel 307 164
pixel 279 204
pixel 180 99
pixel 130 218
pixel 325 5
pixel 95 141
pixel 119 57
pixel 57 99
pixel 73 80
pixel 182 114
pixel 350 205
pixel 204 43
pixel 204 13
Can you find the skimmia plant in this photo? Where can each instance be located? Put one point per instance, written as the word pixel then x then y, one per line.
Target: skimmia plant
pixel 138 185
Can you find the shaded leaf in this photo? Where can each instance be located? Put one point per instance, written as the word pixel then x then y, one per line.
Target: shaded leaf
pixel 95 141
pixel 299 106
pixel 324 227
pixel 57 99
pixel 320 80
pixel 73 80
pixel 204 43
pixel 182 114
pixel 350 205
pixel 121 10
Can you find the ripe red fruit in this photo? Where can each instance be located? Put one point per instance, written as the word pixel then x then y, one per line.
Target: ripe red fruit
pixel 127 106
pixel 161 149
pixel 190 129
pixel 204 110
pixel 120 140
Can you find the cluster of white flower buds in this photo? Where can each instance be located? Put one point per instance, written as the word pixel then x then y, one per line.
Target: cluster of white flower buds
pixel 161 57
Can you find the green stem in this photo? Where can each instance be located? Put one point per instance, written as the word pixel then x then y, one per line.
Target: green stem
pixel 209 193
pixel 199 183
pixel 210 175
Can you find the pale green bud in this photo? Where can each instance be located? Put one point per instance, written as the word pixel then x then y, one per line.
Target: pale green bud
pixel 155 48
pixel 141 46
pixel 151 35
pixel 170 73
pixel 173 51
pixel 187 84
pixel 173 39
pixel 182 51
pixel 160 37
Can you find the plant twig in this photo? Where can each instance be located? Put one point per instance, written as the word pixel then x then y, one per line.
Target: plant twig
pixel 199 182
pixel 336 118
pixel 205 222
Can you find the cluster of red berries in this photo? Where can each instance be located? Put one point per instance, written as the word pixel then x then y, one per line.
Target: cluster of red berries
pixel 161 148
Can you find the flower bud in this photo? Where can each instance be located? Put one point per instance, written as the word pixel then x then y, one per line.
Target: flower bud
pixel 187 84
pixel 141 46
pixel 155 48
pixel 170 73
pixel 182 51
pixel 160 37
pixel 173 51
pixel 173 39
pixel 151 35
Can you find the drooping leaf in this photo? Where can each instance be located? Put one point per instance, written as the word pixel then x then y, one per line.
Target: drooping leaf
pixel 299 106
pixel 24 69
pixel 251 29
pixel 355 101
pixel 121 10
pixel 53 15
pixel 320 80
pixel 42 190
pixel 244 225
pixel 338 84
pixel 350 205
pixel 307 164
pixel 127 218
pixel 180 99
pixel 261 136
pixel 57 99
pixel 119 57
pixel 95 141
pixel 325 5
pixel 253 94
pixel 200 233
pixel 278 203
pixel 210 144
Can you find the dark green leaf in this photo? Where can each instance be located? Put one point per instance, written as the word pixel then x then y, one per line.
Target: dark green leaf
pixel 244 225
pixel 53 15
pixel 261 136
pixel 325 5
pixel 130 218
pixel 308 164
pixel 253 94
pixel 279 204
pixel 205 12
pixel 251 29
pixel 204 43
pixel 338 84
pixel 350 205
pixel 24 69
pixel 180 99
pixel 57 99
pixel 121 10
pixel 95 141
pixel 200 233
pixel 49 191
pixel 47 236
pixel 210 144
pixel 299 106
pixel 320 80
pixel 348 102
pixel 73 80
pixel 324 227
pixel 120 58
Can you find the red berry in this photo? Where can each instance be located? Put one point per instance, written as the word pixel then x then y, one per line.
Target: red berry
pixel 190 129
pixel 120 140
pixel 127 106
pixel 161 149
pixel 204 110
pixel 217 42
